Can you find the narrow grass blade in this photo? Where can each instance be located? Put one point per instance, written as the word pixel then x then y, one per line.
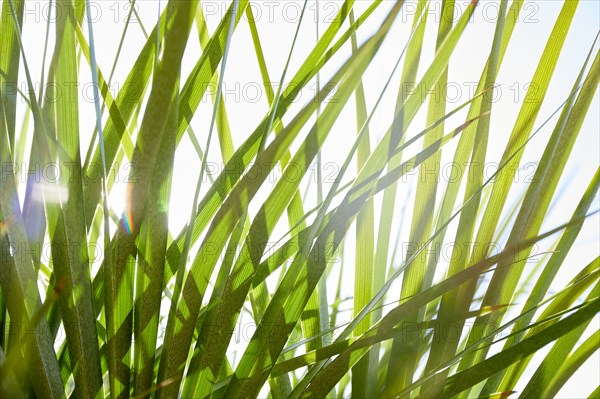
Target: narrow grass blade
pixel 365 239
pixel 9 65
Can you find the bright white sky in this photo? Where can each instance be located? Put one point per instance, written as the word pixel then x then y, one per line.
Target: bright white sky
pixel 277 20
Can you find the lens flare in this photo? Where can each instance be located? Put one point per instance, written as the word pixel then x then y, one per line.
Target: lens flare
pixel 127 217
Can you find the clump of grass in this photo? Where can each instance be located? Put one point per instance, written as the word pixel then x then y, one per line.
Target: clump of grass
pixel 118 342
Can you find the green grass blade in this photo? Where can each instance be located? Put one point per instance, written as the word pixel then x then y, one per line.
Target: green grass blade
pixel 9 65
pixel 69 253
pixel 151 257
pixel 409 74
pixel 405 352
pixel 171 367
pixel 365 239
